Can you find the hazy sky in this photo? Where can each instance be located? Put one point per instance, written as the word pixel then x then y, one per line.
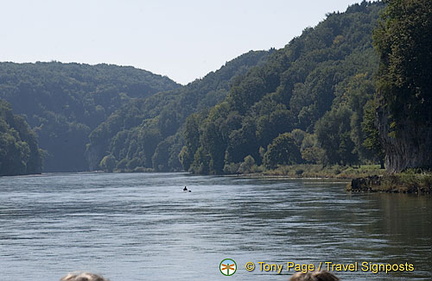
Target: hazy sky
pixel 182 39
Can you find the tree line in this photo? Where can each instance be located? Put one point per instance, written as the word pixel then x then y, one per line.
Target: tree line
pixel 353 90
pixel 147 134
pixel 19 151
pixel 64 103
pixel 307 104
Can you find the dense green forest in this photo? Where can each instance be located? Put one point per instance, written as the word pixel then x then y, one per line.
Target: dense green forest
pixel 404 87
pixel 19 152
pixel 355 89
pixel 63 103
pixel 307 104
pixel 147 133
pixel 303 103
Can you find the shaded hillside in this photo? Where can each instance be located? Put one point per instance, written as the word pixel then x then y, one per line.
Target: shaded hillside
pixel 144 134
pixel 310 102
pixel 63 103
pixel 404 96
pixel 306 104
pixel 19 152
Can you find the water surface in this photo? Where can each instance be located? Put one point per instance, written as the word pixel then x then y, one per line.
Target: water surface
pixel 144 227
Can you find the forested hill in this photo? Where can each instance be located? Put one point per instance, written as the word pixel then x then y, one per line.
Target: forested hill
pixel 308 104
pixel 63 103
pixel 19 152
pixel 147 133
pixel 308 96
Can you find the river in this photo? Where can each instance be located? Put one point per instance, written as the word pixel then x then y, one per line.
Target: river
pixel 144 227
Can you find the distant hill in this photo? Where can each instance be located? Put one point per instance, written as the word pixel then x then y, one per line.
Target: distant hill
pixel 147 133
pixel 63 103
pixel 19 152
pixel 309 102
pixel 306 104
pixel 308 97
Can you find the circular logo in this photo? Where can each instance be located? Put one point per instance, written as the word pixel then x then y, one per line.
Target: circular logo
pixel 250 266
pixel 228 267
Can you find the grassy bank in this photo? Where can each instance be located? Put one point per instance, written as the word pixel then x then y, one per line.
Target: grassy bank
pixel 406 182
pixel 320 171
pixel 364 178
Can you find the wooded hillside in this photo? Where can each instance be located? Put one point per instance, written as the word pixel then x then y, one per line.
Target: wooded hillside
pixel 147 134
pixel 63 103
pixel 404 42
pixel 307 104
pixel 19 152
pixel 328 97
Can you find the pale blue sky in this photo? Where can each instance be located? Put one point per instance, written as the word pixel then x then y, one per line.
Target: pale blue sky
pixel 182 39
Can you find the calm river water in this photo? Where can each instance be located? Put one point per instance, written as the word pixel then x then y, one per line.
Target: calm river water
pixel 144 227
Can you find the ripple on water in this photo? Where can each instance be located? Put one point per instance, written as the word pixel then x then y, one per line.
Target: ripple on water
pixel 132 225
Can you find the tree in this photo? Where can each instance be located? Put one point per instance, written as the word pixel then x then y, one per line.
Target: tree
pixel 108 163
pixel 333 135
pixel 404 87
pixel 247 165
pixel 19 151
pixel 327 67
pixel 282 151
pixel 63 103
pixel 369 126
pixel 213 143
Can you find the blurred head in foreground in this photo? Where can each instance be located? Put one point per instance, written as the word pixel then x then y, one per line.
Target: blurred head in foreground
pixel 84 276
pixel 314 276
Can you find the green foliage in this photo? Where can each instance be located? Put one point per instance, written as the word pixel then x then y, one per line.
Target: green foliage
pixel 248 165
pixel 282 151
pixel 166 157
pixel 333 134
pixel 304 104
pixel 404 40
pixel 404 88
pixel 163 132
pixel 108 163
pixel 325 171
pixel 19 151
pixel 372 139
pixel 63 103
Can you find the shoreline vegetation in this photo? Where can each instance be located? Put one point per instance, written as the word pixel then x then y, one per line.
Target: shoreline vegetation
pixel 353 90
pixel 362 178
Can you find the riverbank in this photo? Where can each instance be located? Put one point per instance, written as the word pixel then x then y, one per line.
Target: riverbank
pixel 364 178
pixel 394 183
pixel 326 172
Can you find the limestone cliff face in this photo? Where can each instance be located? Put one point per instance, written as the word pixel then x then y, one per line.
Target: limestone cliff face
pixel 407 146
pixel 404 83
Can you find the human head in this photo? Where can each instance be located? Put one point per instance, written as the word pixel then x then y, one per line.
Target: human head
pixel 83 276
pixel 314 276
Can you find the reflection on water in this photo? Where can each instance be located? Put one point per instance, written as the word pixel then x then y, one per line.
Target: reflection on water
pixel 144 227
